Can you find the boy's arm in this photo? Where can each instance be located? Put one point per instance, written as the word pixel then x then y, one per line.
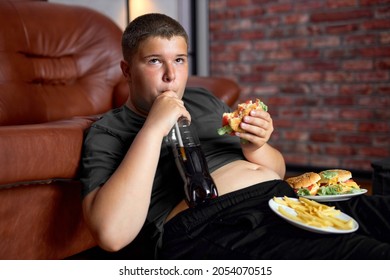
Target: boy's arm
pixel 116 212
pixel 259 127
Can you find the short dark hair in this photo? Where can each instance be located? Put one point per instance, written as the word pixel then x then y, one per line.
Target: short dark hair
pixel 149 25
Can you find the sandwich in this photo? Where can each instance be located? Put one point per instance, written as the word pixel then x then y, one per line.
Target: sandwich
pixel 231 121
pixel 327 182
pixel 305 184
pixel 337 181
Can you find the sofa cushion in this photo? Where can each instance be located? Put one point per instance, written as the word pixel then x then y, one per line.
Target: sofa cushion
pixel 56 71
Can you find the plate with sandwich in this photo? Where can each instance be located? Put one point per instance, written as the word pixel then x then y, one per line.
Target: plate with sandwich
pixel 328 185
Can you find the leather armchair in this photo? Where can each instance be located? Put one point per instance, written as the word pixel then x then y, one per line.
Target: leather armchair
pixel 59 70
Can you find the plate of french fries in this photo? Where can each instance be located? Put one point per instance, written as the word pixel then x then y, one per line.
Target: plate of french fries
pixel 312 215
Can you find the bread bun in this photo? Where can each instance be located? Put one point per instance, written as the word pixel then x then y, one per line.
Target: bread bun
pixel 303 181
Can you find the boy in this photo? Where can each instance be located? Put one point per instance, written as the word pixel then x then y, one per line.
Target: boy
pixel 132 186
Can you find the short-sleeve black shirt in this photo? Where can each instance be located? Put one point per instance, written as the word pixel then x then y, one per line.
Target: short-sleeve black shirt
pixel 109 138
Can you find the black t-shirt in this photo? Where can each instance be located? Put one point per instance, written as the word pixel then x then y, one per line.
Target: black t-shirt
pixel 109 138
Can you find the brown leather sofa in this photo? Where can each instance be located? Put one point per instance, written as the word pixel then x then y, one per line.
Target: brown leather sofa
pixel 59 70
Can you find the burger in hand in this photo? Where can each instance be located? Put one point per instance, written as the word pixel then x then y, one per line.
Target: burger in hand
pixel 231 121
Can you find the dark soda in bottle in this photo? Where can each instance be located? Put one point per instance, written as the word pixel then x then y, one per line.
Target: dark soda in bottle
pixel 199 186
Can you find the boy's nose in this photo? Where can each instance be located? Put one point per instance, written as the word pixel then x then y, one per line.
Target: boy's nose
pixel 169 74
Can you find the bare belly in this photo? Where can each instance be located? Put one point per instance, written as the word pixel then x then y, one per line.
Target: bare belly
pixel 232 177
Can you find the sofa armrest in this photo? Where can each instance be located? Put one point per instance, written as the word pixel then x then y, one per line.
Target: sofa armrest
pixel 41 152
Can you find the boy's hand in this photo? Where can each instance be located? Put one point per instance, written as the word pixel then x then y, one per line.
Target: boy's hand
pixel 166 110
pixel 258 126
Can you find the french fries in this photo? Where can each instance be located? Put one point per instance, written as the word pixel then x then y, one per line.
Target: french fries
pixel 313 213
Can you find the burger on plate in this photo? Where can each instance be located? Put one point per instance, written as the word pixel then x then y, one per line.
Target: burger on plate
pixel 305 184
pixel 337 181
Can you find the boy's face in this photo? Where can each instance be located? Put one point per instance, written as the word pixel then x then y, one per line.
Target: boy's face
pixel 160 65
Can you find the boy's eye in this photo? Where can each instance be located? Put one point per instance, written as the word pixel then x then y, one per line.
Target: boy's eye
pixel 154 61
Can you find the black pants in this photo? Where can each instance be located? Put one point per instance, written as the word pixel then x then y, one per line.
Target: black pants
pixel 240 225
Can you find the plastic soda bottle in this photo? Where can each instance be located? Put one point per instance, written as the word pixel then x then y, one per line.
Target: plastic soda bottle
pixel 199 186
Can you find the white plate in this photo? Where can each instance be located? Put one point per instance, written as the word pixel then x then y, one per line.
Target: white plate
pixel 337 197
pixel 274 206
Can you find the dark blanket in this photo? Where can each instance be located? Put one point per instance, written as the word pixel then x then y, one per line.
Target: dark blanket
pixel 241 225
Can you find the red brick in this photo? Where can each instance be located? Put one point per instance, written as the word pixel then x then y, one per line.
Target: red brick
pixel 340 150
pixel 266 67
pixel 373 2
pixel 296 18
pixel 375 52
pixel 340 29
pixel 323 137
pixel 294 89
pixel 339 100
pixel 356 89
pixel 251 78
pixel 307 101
pixel 324 65
pixel 356 114
pixel 291 66
pixel 328 41
pixel 375 127
pixel 373 76
pixel 307 54
pixel 381 140
pixel 250 35
pixel 295 43
pixel 383 64
pixel 279 55
pixel 377 24
pixel 366 64
pixel 309 6
pixel 341 3
pixel 264 45
pixel 374 151
pixel 266 22
pixel 237 3
pixel 376 102
pixel 267 90
pixel 323 113
pixel 385 89
pixel 223 36
pixel 282 123
pixel 340 126
pixel 292 112
pixel 340 16
pixel 311 77
pixel 339 77
pixel 366 39
pixel 251 11
pixel 355 139
pixel 296 135
pixel 279 8
pixel 325 89
pixel 385 38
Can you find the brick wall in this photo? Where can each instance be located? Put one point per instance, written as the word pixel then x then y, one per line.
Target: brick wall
pixel 322 66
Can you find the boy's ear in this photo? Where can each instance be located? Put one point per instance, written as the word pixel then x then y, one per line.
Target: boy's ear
pixel 125 69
